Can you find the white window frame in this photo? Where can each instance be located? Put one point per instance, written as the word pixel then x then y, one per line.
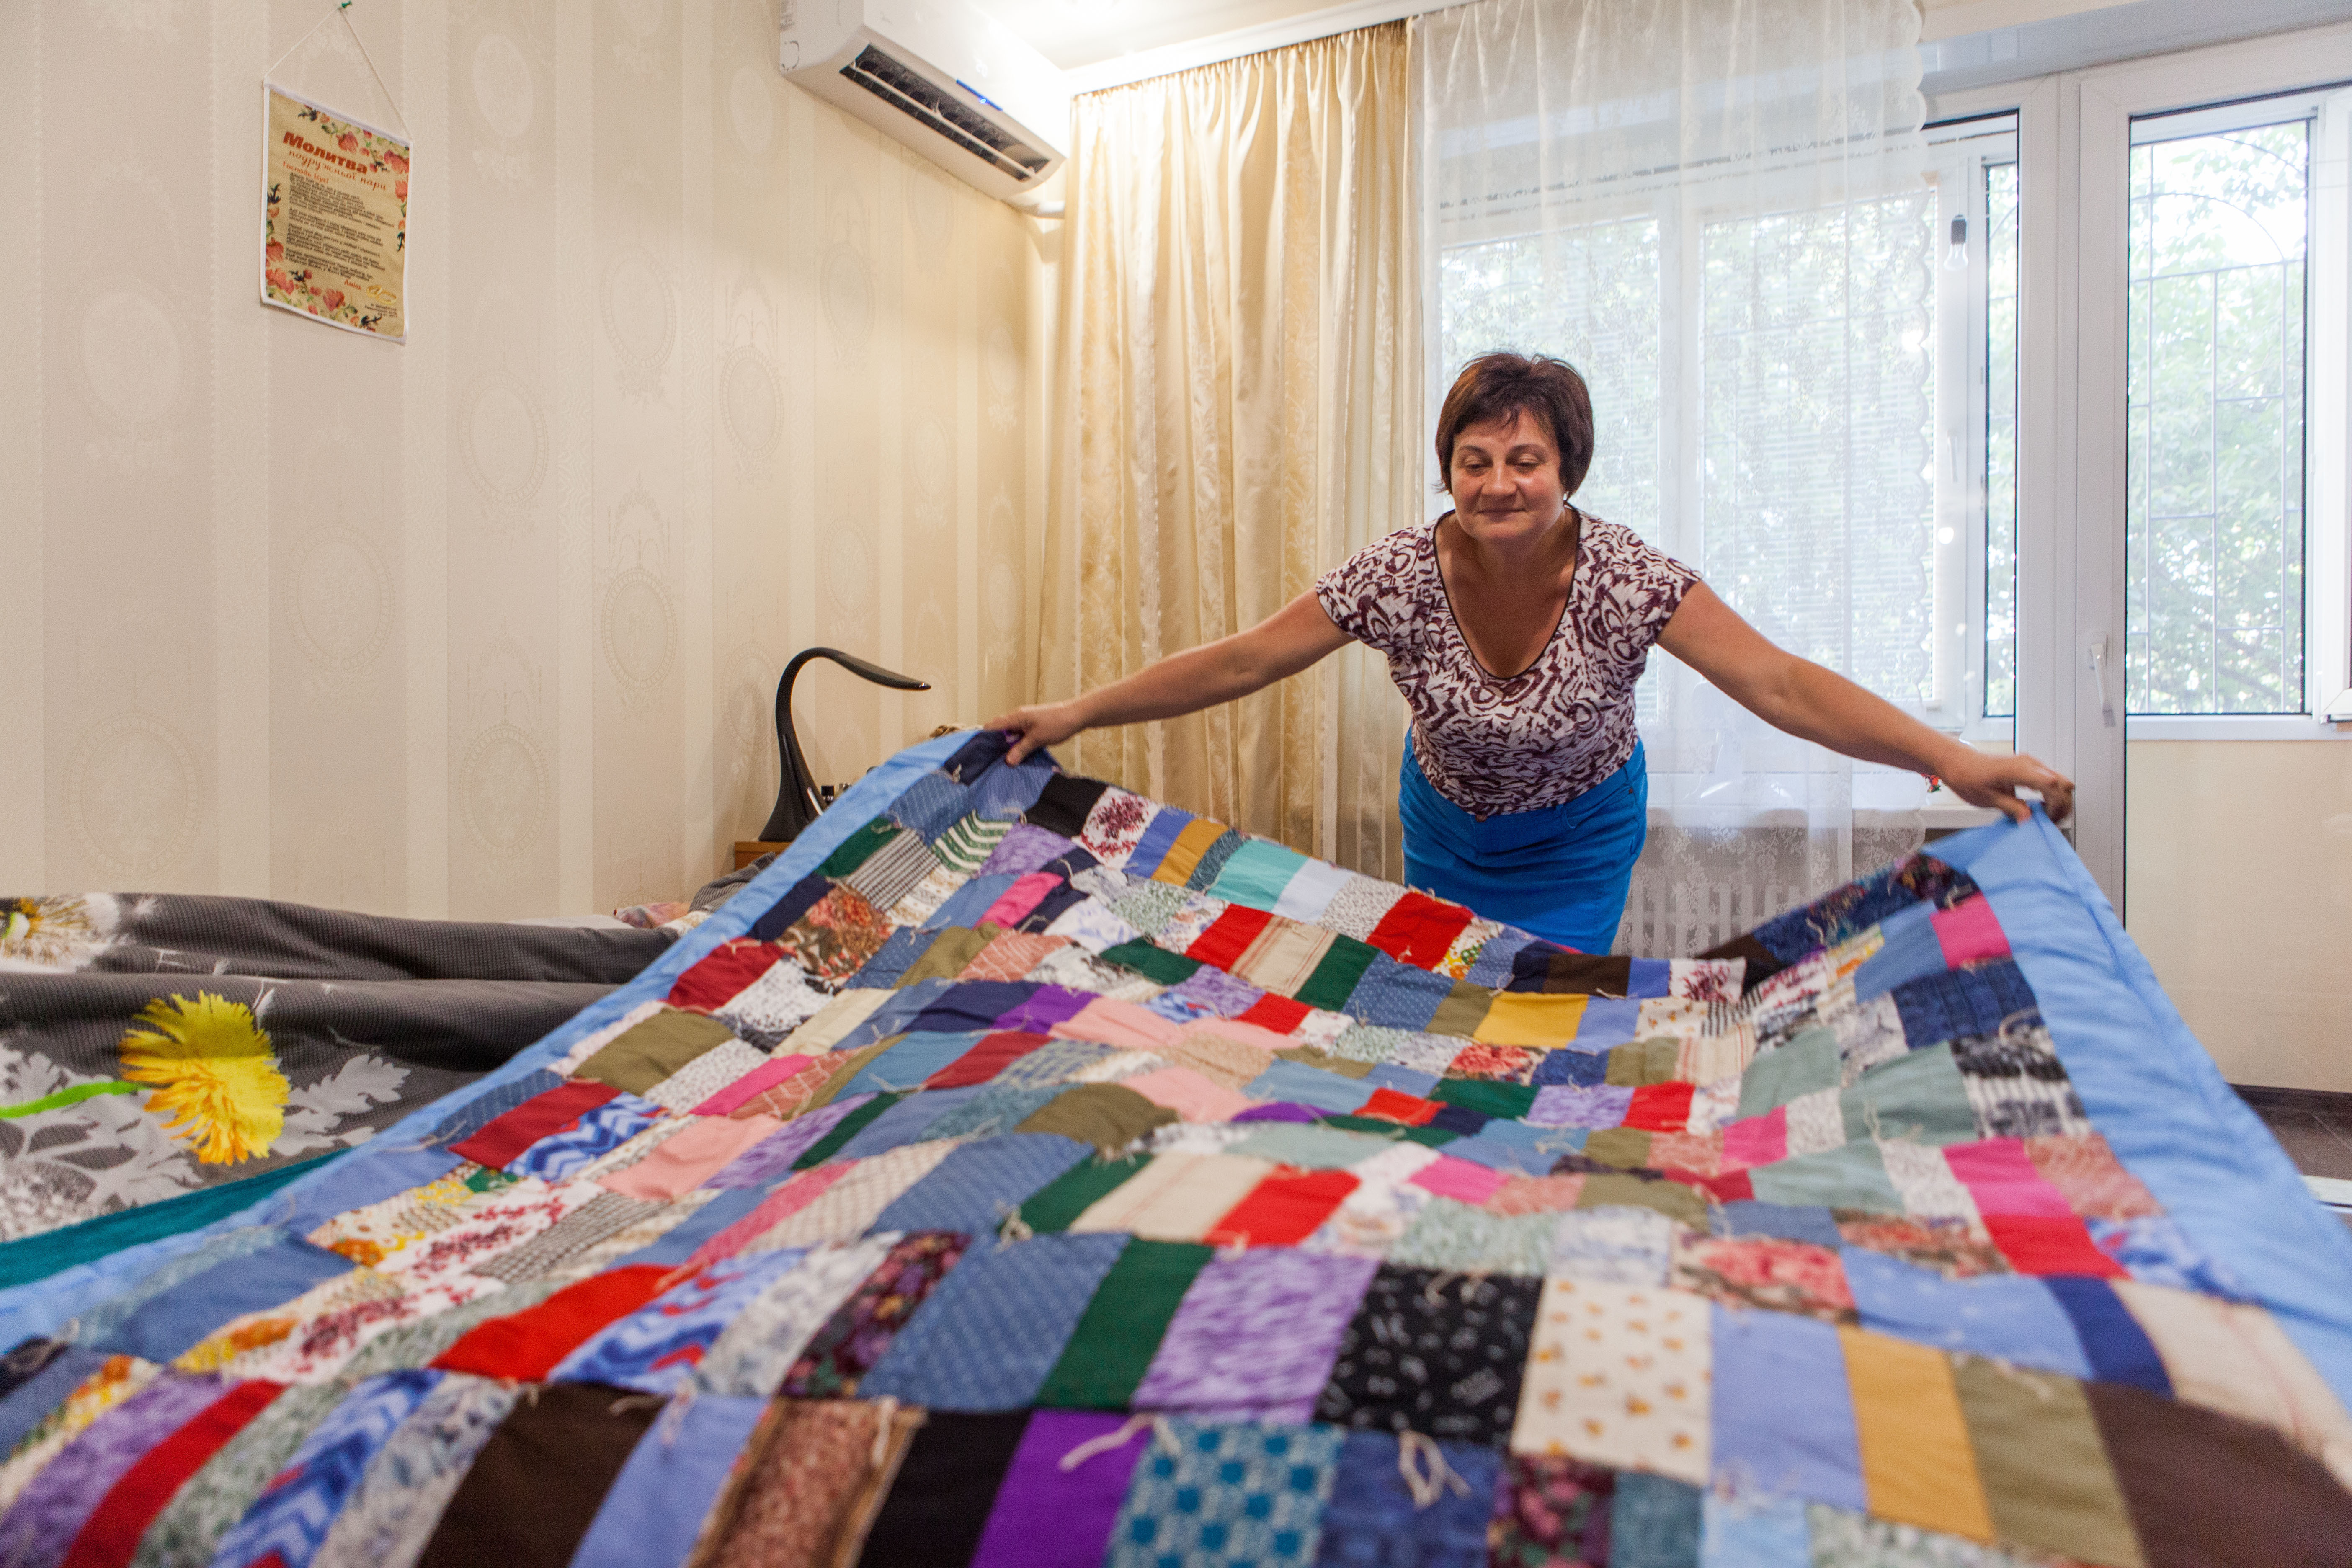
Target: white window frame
pixel 2074 149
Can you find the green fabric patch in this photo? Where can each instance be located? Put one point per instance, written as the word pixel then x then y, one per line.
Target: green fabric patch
pixel 1672 1199
pixel 1061 1200
pixel 1389 1131
pixel 1463 1009
pixel 1627 1148
pixel 1107 1115
pixel 827 1147
pixel 1644 1061
pixel 52 1251
pixel 1257 874
pixel 1916 1096
pixel 1156 965
pixel 965 847
pixel 948 953
pixel 1805 1065
pixel 1334 977
pixel 858 847
pixel 1450 1235
pixel 1488 1097
pixel 489 1179
pixel 1431 1137
pixel 1120 1330
pixel 1310 1147
pixel 1324 1061
pixel 1852 1177
pixel 642 1057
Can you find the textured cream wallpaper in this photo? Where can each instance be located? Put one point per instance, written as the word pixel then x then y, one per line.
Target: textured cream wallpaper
pixel 698 371
pixel 2238 886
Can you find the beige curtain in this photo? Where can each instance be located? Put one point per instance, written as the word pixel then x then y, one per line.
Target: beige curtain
pixel 1238 409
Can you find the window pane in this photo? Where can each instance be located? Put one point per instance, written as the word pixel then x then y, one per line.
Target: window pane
pixel 1818 476
pixel 2214 423
pixel 2001 441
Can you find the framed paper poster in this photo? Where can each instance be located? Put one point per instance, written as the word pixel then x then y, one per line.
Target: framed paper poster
pixel 335 218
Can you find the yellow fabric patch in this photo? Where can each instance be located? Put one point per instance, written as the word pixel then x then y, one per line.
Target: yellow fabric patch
pixel 1186 852
pixel 1917 1464
pixel 1530 1018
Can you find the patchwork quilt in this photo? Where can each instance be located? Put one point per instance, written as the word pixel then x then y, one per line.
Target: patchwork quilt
pixel 1020 1172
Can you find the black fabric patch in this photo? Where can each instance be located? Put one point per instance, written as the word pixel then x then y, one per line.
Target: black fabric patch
pixel 1446 1363
pixel 976 756
pixel 786 911
pixel 1556 971
pixel 562 1447
pixel 1761 964
pixel 1062 805
pixel 1049 908
pixel 946 1486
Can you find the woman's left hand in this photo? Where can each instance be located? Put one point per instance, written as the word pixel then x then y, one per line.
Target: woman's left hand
pixel 1983 779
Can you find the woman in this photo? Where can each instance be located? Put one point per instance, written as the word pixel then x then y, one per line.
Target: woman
pixel 1525 795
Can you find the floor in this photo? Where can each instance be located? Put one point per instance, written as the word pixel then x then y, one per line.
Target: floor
pixel 2314 1127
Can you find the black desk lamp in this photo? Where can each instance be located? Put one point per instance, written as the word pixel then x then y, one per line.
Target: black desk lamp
pixel 796 802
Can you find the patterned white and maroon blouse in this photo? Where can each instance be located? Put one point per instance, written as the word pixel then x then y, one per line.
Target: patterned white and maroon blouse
pixel 1556 729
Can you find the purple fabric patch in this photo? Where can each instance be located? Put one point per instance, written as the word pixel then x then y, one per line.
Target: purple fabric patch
pixel 1046 1516
pixel 1574 1105
pixel 1023 850
pixel 51 1511
pixel 1280 1110
pixel 1211 993
pixel 1047 1007
pixel 770 1159
pixel 1255 1338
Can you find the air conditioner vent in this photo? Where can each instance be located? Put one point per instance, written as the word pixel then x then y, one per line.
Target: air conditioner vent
pixel 915 93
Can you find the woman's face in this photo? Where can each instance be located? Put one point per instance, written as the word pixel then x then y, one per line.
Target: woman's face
pixel 1506 479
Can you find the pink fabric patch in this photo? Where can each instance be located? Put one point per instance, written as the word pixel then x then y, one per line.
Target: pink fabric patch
pixel 774 1209
pixel 1188 1094
pixel 1756 1140
pixel 1120 1023
pixel 691 1158
pixel 1233 1029
pixel 2000 1176
pixel 1018 899
pixel 1463 1180
pixel 1968 933
pixel 766 1075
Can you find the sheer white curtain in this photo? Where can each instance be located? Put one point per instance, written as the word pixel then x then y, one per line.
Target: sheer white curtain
pixel 1718 211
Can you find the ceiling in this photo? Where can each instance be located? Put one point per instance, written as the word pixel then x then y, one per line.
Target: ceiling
pixel 1073 33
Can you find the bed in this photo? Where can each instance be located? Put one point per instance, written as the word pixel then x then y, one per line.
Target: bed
pixel 1019 1172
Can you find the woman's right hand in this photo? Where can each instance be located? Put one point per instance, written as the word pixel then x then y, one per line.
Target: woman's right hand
pixel 1034 728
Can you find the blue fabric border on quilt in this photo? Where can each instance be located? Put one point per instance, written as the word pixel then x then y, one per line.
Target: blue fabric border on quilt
pixel 2159 1098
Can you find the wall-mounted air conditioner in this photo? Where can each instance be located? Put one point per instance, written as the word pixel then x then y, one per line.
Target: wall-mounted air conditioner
pixel 955 85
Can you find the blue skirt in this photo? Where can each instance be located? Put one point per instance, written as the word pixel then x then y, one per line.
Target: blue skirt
pixel 1562 872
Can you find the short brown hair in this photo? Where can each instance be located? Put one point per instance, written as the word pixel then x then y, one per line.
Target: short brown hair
pixel 1503 385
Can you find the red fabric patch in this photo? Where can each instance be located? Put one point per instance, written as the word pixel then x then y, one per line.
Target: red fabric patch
pixel 1229 936
pixel 1659 1107
pixel 720 978
pixel 993 1054
pixel 503 1137
pixel 130 1505
pixel 528 1344
pixel 1731 1187
pixel 1395 1105
pixel 2047 1244
pixel 1419 930
pixel 1284 1209
pixel 1279 1014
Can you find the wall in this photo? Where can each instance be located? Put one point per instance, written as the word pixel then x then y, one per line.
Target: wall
pixel 2239 889
pixel 699 370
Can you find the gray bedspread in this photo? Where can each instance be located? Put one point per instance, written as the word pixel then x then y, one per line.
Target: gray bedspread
pixel 152 1044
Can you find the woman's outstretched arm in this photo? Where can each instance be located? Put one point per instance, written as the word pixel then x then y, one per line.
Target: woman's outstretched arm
pixel 1822 706
pixel 1287 641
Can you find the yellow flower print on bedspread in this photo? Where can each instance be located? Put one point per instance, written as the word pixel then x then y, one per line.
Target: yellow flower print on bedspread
pixel 216 1073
